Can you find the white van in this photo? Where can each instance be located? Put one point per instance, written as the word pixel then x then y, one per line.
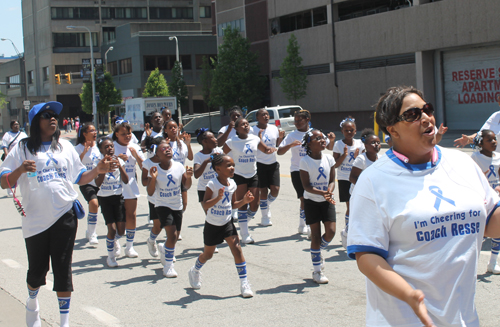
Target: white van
pixel 281 116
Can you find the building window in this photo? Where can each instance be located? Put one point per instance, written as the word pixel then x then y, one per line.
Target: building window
pixel 298 21
pixel 166 62
pixel 235 24
pixel 45 73
pixel 130 13
pixel 199 60
pixel 186 62
pixel 355 9
pixel 75 13
pixel 74 39
pixel 108 34
pixel 182 13
pixel 150 63
pixel 126 66
pixel 13 79
pixel 112 68
pixel 31 77
pixel 205 12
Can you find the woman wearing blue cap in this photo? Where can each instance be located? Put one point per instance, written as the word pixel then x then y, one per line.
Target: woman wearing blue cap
pixel 53 165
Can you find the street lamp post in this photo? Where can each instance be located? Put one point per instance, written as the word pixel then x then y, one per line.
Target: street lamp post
pixel 94 105
pixel 106 68
pixel 22 64
pixel 177 58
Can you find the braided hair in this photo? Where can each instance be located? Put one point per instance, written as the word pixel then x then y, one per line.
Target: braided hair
pixel 366 133
pixel 152 143
pixel 303 113
pixel 306 139
pixel 478 139
pixel 235 109
pixel 346 120
pixel 101 140
pixel 217 158
pixel 201 134
pixel 165 134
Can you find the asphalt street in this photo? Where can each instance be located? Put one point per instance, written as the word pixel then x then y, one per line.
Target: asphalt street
pixel 137 294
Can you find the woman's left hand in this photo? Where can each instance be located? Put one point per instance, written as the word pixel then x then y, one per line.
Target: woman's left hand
pixel 416 302
pixel 104 165
pixel 329 197
pixel 186 137
pixel 189 171
pixel 331 137
pixel 133 152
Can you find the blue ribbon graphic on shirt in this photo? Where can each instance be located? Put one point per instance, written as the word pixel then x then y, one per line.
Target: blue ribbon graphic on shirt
pixel 321 171
pixel 226 197
pixel 248 148
pixel 176 153
pixel 492 171
pixel 439 196
pixel 266 138
pixel 351 156
pixel 51 158
pixel 170 180
pixel 110 175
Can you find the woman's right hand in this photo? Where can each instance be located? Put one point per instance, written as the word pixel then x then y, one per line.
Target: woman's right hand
pixel 86 146
pixel 295 143
pixel 461 142
pixel 123 156
pixel 154 172
pixel 28 166
pixel 416 301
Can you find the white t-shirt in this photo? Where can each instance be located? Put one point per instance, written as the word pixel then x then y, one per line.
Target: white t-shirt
pixel 232 133
pixel 57 171
pixel 362 162
pixel 168 186
pixel 298 152
pixel 244 153
pixel 208 173
pixel 269 137
pixel 179 155
pixel 130 163
pixel 428 222
pixel 344 170
pixel 132 140
pixel 91 158
pixel 319 174
pixel 11 136
pixel 493 123
pixel 220 213
pixel 112 183
pixel 153 135
pixel 147 164
pixel 489 166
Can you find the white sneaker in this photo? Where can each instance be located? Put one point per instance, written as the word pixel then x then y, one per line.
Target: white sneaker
pixel 303 229
pixel 33 316
pixel 130 252
pixel 152 247
pixel 92 238
pixel 169 271
pixel 216 250
pixel 9 193
pixel 194 278
pixel 150 222
pixel 246 291
pixel 117 249
pixel 494 269
pixel 179 238
pixel 247 239
pixel 111 261
pixel 162 254
pixel 322 262
pixel 319 277
pixel 343 237
pixel 265 221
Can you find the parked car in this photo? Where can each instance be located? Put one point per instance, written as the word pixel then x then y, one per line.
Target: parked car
pixel 281 116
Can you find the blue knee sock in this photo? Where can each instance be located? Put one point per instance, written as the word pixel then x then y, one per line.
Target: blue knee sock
pixel 130 237
pixel 110 245
pixel 271 198
pixel 169 255
pixel 198 265
pixel 346 222
pixel 64 310
pixel 242 270
pixel 302 217
pixel 243 221
pixel 324 243
pixel 316 259
pixel 153 236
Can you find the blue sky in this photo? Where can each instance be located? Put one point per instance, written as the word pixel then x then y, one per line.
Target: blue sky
pixel 11 23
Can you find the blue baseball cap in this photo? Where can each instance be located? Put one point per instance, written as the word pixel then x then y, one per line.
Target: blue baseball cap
pixel 38 108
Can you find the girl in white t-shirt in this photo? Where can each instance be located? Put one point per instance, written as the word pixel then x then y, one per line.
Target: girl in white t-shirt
pixel 219 198
pixel 111 199
pixel 228 131
pixel 131 153
pixel 165 183
pixel 89 155
pixel 317 174
pixel 489 162
pixel 9 140
pixel 345 152
pixel 362 161
pixel 243 149
pixel 153 128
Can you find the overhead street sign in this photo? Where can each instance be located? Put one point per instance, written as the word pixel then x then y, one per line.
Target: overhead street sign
pixel 26 102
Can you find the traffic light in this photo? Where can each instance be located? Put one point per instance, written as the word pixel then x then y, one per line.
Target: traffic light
pixel 68 78
pixel 58 79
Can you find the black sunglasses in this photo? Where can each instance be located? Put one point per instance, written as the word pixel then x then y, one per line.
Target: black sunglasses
pixel 414 114
pixel 49 115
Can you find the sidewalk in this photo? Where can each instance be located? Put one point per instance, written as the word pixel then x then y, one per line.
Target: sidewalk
pixel 13 312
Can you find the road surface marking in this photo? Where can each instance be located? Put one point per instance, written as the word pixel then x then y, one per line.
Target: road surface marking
pixel 11 263
pixel 103 316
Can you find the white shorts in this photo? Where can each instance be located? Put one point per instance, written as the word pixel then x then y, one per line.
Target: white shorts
pixel 131 190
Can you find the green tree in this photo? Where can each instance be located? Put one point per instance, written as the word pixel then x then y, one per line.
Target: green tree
pixel 236 79
pixel 206 79
pixel 177 87
pixel 156 86
pixel 3 102
pixel 108 94
pixel 293 79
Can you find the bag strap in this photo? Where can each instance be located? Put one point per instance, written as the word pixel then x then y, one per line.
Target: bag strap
pixel 8 183
pixel 18 133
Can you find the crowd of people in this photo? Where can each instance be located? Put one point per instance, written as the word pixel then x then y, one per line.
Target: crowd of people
pixel 412 213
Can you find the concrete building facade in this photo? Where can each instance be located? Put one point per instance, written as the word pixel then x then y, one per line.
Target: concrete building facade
pixel 353 50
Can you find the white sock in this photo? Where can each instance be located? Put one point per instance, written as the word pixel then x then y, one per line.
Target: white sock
pixel 493 259
pixel 91 223
pixel 243 222
pixel 130 237
pixel 64 310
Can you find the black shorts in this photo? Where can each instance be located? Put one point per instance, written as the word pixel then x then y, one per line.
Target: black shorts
pixel 112 208
pixel 344 187
pixel 319 211
pixel 152 212
pixel 250 182
pixel 268 174
pixel 53 245
pixel 201 195
pixel 297 184
pixel 89 192
pixel 169 217
pixel 214 235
